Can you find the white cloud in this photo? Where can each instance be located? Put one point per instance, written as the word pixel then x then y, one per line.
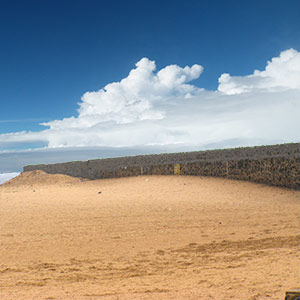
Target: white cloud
pixel 7 176
pixel 163 108
pixel 134 97
pixel 281 73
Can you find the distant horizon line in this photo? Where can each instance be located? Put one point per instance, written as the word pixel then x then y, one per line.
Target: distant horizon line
pixel 140 146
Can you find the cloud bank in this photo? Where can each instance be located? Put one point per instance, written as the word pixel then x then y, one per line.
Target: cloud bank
pixel 151 107
pixel 7 176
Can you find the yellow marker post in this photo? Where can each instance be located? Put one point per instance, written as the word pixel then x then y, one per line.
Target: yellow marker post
pixel 177 169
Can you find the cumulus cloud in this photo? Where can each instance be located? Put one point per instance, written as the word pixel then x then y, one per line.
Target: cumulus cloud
pixel 151 107
pixel 281 73
pixel 133 98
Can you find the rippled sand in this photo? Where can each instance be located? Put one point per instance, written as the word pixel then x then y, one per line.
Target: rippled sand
pixel 154 237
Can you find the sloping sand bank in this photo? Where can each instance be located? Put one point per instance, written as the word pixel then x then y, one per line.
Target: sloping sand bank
pixel 157 237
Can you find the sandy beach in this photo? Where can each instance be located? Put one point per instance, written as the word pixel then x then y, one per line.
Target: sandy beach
pixel 147 237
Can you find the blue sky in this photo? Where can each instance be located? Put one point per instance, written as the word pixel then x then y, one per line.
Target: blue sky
pixel 54 52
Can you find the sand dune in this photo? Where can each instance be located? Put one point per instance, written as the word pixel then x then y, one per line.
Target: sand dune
pixel 155 237
pixel 37 178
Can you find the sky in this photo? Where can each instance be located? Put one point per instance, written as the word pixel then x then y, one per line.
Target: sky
pixel 92 79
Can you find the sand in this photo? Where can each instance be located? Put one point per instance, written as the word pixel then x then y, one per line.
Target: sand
pixel 154 237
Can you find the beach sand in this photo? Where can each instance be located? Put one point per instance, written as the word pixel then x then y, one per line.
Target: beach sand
pixel 147 237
